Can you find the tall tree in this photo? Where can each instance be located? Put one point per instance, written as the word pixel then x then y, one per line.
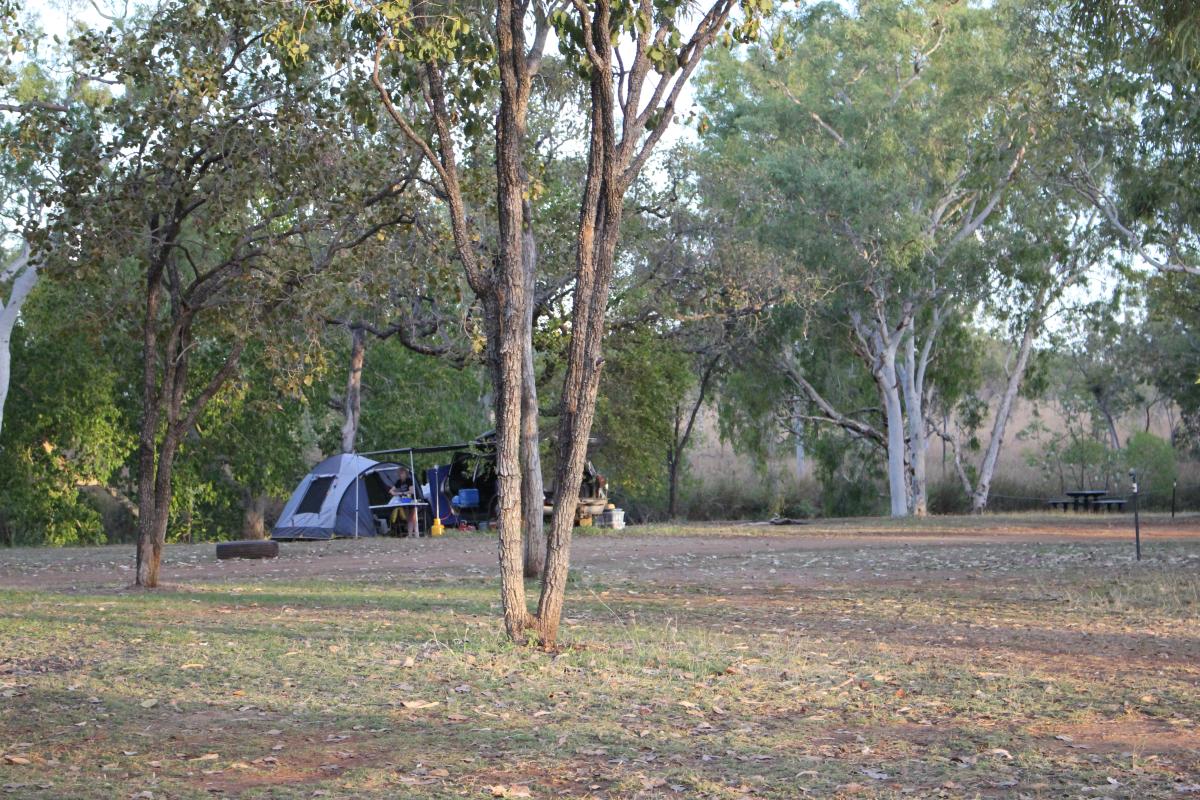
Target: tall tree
pixel 630 106
pixel 885 159
pixel 211 169
pixel 32 124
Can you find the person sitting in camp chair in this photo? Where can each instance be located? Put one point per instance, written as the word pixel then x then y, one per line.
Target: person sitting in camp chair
pixel 403 490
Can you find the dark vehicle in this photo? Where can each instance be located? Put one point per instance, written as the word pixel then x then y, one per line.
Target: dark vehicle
pixel 471 484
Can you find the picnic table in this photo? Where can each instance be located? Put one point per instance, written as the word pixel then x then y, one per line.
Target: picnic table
pixel 1088 500
pixel 1084 498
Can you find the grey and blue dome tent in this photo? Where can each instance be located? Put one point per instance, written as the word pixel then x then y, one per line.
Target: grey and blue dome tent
pixel 335 499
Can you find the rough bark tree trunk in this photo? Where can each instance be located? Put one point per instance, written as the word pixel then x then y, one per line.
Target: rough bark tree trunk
pixel 512 316
pixel 154 511
pixel 148 552
pixel 353 402
pixel 595 246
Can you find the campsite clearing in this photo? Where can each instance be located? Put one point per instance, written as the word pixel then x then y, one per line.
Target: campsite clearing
pixel 1017 656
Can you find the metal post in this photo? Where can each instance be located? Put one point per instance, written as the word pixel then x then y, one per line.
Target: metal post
pixel 1137 526
pixel 1174 486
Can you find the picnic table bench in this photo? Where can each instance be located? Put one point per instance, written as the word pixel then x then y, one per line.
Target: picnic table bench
pixel 1087 500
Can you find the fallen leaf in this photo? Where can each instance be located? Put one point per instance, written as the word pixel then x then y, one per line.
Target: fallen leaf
pixel 419 703
pixel 17 760
pixel 151 703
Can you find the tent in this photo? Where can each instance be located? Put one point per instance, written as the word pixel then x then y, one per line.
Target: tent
pixel 335 499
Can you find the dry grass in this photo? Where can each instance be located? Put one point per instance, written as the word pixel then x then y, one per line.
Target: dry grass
pixel 771 670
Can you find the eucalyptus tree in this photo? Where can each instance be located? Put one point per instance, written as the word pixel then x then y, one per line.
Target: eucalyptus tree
pixel 226 178
pixel 1137 82
pixel 31 123
pixel 1047 241
pixel 433 67
pixel 886 140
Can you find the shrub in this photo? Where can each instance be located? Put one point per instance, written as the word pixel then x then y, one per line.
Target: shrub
pixel 1155 462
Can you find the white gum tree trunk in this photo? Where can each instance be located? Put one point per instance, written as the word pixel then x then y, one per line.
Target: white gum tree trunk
pixel 979 496
pixel 22 271
pixel 889 388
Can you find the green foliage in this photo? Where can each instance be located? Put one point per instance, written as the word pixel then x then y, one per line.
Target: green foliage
pixel 1137 75
pixel 1154 460
pixel 642 396
pixel 413 400
pixel 848 473
pixel 66 425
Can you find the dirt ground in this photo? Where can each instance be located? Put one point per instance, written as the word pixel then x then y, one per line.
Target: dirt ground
pixel 693 553
pixel 1022 656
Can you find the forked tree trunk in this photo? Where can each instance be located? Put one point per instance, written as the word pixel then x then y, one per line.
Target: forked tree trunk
pixel 353 401
pixel 165 417
pixel 682 436
pixel 532 491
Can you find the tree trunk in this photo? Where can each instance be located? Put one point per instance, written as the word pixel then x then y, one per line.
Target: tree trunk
pixel 894 414
pixel 353 402
pixel 673 467
pixel 797 426
pixel 254 522
pixel 25 275
pixel 983 486
pixel 595 245
pixel 1113 438
pixel 917 440
pixel 154 512
pixel 512 315
pixel 682 437
pixel 148 551
pixel 5 371
pixel 532 490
